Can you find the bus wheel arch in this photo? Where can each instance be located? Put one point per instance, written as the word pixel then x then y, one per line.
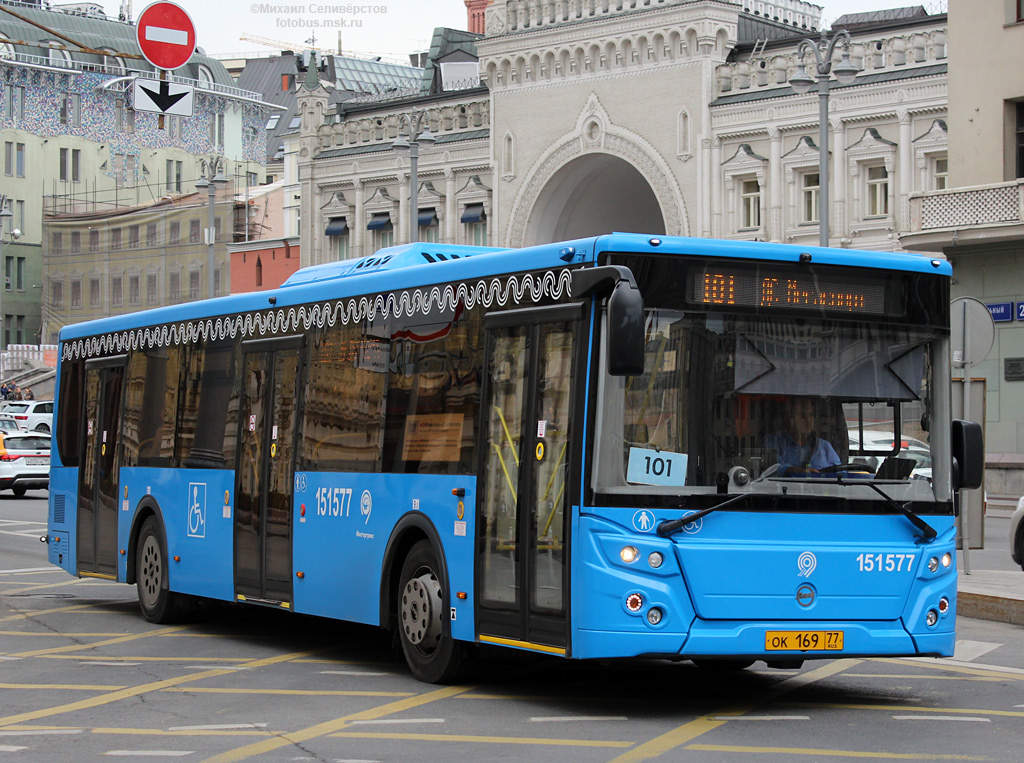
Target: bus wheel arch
pixel 150 565
pixel 147 507
pixel 409 530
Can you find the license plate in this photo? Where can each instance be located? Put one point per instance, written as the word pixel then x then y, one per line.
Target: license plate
pixel 37 461
pixel 803 641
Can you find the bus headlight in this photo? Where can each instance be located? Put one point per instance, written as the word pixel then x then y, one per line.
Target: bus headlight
pixel 654 615
pixel 655 559
pixel 947 559
pixel 931 618
pixel 933 564
pixel 629 554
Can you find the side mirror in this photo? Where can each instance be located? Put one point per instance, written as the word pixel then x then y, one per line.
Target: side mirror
pixel 624 340
pixel 968 445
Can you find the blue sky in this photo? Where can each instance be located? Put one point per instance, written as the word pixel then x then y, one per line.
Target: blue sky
pixel 388 28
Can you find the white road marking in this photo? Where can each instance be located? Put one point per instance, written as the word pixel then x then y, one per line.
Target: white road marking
pixel 11 748
pixel 220 727
pixel 761 718
pixel 346 760
pixel 31 569
pixel 111 664
pixel 353 673
pixel 961 664
pixel 972 650
pixel 149 753
pixel 10 659
pixel 394 721
pixel 940 718
pixel 42 732
pixel 587 718
pixel 212 667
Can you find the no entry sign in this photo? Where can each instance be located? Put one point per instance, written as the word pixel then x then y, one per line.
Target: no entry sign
pixel 166 35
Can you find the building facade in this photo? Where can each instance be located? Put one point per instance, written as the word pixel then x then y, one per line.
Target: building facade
pixel 681 107
pixel 74 143
pixel 977 219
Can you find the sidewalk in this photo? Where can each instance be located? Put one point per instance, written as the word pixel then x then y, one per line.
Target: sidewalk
pixel 993 594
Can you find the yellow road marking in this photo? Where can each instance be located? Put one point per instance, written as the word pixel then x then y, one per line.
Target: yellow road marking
pixel 938 665
pixel 218 660
pixel 482 739
pixel 36 612
pixel 829 753
pixel 921 676
pixel 41 586
pixel 134 691
pixel 62 687
pixel 91 645
pixel 329 727
pixel 34 634
pixel 710 721
pixel 907 708
pixel 297 692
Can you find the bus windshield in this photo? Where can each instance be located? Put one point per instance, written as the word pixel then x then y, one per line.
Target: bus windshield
pixel 780 402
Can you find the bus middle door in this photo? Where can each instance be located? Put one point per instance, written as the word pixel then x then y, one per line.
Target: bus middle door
pixel 522 564
pixel 266 461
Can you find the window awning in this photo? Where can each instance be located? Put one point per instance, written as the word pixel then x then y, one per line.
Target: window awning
pixel 474 213
pixel 336 226
pixel 380 221
pixel 428 217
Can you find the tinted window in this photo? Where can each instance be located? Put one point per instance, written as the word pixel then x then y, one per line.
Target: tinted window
pixel 26 443
pixel 69 426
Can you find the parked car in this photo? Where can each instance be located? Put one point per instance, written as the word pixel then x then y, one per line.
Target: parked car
pixel 878 444
pixel 1017 534
pixel 24 462
pixel 32 415
pixel 8 424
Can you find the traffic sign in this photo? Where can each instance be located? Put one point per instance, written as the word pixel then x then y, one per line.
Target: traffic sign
pixel 163 97
pixel 166 35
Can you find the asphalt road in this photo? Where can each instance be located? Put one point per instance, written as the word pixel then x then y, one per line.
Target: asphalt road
pixel 83 677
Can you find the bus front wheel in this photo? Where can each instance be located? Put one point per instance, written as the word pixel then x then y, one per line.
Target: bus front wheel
pixel 432 656
pixel 157 602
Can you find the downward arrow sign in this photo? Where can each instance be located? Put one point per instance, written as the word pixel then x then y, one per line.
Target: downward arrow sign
pixel 163 100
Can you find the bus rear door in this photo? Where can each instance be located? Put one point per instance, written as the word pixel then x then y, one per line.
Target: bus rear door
pixel 97 488
pixel 266 462
pixel 522 567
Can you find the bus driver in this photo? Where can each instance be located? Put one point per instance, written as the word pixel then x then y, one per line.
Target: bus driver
pixel 798 446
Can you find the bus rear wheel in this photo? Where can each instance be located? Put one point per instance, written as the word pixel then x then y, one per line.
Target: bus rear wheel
pixel 432 656
pixel 157 602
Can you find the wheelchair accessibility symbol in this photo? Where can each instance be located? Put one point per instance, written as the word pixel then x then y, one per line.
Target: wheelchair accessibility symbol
pixel 197 509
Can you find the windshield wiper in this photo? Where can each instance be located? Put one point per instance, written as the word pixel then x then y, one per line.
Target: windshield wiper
pixel 672 526
pixel 920 524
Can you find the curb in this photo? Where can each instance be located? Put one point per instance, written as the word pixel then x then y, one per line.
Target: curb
pixel 987 607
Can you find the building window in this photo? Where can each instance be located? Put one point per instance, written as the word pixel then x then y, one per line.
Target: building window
pixel 216 282
pixel 1020 136
pixel 151 234
pixel 750 204
pixel 940 172
pixel 57 294
pixel 94 292
pixel 19 282
pixel 76 241
pixel 9 158
pixel 216 229
pixel 133 237
pixel 19 159
pixel 56 242
pixel 475 220
pixel 173 176
pixel 71 109
pixel 134 295
pixel 174 234
pixel 116 297
pixel 76 294
pixel 878 191
pixel 119 115
pixel 430 230
pixel 14 103
pixel 115 238
pixel 193 231
pixel 8 283
pixel 174 288
pixel 809 197
pixel 252 179
pixel 193 284
pixel 94 240
pixel 19 214
pixel 151 295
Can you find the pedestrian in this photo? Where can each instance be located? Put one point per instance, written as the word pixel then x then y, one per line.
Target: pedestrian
pixel 4 391
pixel 27 395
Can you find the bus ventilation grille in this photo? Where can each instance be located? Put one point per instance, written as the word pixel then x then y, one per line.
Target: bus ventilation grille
pixel 58 508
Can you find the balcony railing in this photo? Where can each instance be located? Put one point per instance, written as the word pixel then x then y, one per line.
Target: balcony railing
pixel 997 205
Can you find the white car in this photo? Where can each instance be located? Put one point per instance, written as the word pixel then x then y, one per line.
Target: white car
pixel 880 444
pixel 24 462
pixel 32 415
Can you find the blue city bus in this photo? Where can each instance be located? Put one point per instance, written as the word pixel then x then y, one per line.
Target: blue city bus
pixel 620 446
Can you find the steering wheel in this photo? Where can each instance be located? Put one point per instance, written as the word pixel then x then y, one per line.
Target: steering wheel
pixel 851 467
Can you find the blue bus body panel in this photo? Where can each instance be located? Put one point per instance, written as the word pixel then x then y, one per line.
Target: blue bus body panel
pixel 62 515
pixel 343 522
pixel 735 575
pixel 196 508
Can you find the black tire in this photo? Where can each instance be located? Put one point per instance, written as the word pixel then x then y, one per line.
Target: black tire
pixel 43 428
pixel 158 603
pixel 19 492
pixel 1020 545
pixel 432 656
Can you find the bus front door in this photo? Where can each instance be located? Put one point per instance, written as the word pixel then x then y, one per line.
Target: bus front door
pixel 522 565
pixel 266 456
pixel 97 489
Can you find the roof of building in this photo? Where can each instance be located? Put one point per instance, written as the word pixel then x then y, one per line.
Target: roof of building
pixel 94 31
pixel 870 18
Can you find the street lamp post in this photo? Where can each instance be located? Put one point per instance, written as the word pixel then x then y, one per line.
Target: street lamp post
pixel 410 141
pixel 5 215
pixel 802 82
pixel 218 179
